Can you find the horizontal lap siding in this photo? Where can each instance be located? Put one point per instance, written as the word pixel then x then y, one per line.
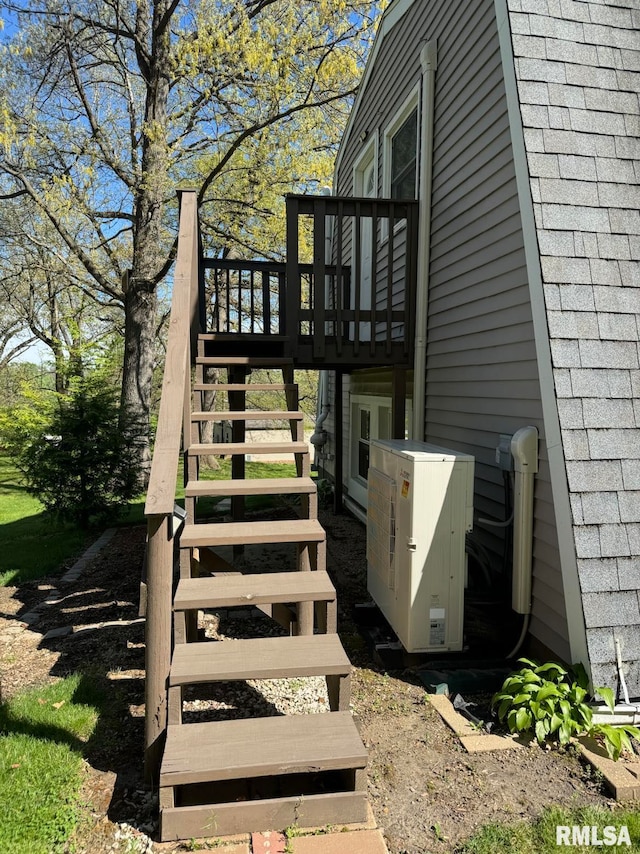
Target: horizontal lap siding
pixel 482 375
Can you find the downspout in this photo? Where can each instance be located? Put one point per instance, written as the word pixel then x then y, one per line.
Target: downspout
pixel 429 62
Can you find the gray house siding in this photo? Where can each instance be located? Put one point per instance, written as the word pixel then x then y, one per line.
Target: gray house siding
pixel 482 377
pixel 577 68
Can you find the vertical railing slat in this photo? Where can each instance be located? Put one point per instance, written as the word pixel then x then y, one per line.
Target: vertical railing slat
pixel 340 285
pixel 318 278
pixel 357 279
pixel 374 277
pixel 293 285
pixel 390 249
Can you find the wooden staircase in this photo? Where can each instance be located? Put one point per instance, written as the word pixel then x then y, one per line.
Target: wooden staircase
pixel 225 777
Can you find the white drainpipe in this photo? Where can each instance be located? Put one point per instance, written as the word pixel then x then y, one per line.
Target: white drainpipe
pixel 624 713
pixel 429 61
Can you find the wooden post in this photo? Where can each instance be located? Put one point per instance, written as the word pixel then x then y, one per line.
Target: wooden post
pixel 337 408
pixel 398 402
pixel 157 640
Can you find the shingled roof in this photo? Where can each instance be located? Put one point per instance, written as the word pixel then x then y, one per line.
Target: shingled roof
pixel 577 72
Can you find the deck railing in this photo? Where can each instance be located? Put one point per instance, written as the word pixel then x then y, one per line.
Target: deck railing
pixel 346 294
pixel 245 296
pixel 353 300
pixel 174 421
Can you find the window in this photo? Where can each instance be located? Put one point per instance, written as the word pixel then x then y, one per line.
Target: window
pixel 404 146
pixel 370 419
pixel 400 154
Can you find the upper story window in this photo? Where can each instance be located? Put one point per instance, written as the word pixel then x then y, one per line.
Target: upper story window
pixel 404 150
pixel 400 155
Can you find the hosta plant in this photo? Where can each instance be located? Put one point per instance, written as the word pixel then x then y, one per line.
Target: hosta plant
pixel 551 703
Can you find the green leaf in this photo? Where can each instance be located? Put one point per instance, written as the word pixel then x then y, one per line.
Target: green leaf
pixel 523 720
pixel 555 723
pixel 608 696
pixel 564 732
pixel 541 731
pixel 580 676
pixel 547 690
pixel 565 708
pixel 528 661
pixel 521 698
pixel 578 694
pixel 504 707
pixel 546 668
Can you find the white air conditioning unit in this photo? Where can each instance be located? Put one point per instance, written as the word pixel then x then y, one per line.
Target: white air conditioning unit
pixel 419 508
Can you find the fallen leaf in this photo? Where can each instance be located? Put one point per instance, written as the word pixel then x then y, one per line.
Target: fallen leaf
pixel 16 765
pixel 58 705
pixel 42 702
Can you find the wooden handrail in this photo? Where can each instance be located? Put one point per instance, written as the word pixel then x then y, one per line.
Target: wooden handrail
pixel 173 420
pixel 184 313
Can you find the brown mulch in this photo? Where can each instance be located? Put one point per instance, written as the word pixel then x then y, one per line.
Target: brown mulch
pixel 425 791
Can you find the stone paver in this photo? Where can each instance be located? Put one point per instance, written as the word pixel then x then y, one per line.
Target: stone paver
pixel 268 842
pixel 351 842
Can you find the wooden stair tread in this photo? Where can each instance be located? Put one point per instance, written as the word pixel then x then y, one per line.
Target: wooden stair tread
pixel 230 448
pixel 258 658
pixel 239 533
pixel 248 415
pixel 251 486
pixel 244 387
pixel 249 361
pixel 261 747
pixel 266 588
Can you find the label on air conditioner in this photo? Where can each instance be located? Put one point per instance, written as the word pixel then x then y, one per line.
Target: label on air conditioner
pixel 437 627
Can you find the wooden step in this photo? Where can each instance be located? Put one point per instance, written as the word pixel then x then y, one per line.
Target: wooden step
pixel 261 747
pixel 232 771
pixel 251 486
pixel 232 591
pixel 258 658
pixel 247 533
pixel 228 449
pixel 248 415
pixel 244 387
pixel 261 658
pixel 248 361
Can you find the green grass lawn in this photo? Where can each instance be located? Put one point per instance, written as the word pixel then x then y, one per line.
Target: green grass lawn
pixel 539 836
pixel 32 544
pixel 43 735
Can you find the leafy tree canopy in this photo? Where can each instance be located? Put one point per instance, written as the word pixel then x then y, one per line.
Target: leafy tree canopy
pixel 108 105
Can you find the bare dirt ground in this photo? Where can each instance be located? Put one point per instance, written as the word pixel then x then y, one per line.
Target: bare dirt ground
pixel 426 793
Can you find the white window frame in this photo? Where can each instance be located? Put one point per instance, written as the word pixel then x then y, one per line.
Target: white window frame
pixel 411 104
pixel 356 485
pixel 369 153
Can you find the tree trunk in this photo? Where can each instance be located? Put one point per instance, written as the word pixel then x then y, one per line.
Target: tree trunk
pixel 140 304
pixel 137 374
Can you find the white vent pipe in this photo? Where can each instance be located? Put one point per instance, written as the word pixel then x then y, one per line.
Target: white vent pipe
pixel 524 449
